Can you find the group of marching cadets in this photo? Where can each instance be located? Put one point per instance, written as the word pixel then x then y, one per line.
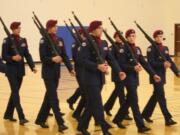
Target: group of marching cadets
pixel 14 70
pixel 125 74
pixel 90 76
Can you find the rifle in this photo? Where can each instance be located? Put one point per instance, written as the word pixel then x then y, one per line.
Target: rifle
pixel 90 40
pixel 153 43
pixel 9 35
pixel 73 35
pixel 44 33
pixel 77 33
pixel 124 41
pixel 108 37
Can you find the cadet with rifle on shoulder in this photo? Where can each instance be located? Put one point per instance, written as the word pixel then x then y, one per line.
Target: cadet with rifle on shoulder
pixel 93 56
pixel 132 64
pixel 117 50
pixel 14 50
pixel 52 53
pixel 160 60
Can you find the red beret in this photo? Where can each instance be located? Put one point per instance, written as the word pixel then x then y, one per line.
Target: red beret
pixel 116 34
pixel 15 25
pixel 157 32
pixel 94 25
pixel 51 23
pixel 129 32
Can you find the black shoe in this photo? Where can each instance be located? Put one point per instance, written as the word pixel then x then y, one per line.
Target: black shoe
pixel 62 127
pixel 70 105
pixel 170 122
pixel 62 114
pixel 97 124
pixel 106 133
pixel 84 132
pixel 127 117
pixel 108 112
pixel 120 125
pixel 50 114
pixel 108 127
pixel 148 120
pixel 23 121
pixel 10 119
pixel 76 117
pixel 143 129
pixel 42 124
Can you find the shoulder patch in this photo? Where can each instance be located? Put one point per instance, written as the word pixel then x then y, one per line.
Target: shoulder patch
pixel 73 45
pixel 23 45
pixel 41 41
pixel 83 44
pixel 79 48
pixel 166 52
pixel 138 51
pixel 149 49
pixel 105 48
pixel 131 60
pixel 4 41
pixel 60 44
pixel 121 50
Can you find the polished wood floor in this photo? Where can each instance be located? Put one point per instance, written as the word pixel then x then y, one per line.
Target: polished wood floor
pixel 32 93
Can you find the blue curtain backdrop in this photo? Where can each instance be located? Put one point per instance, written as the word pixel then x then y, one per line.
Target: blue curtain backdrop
pixel 68 40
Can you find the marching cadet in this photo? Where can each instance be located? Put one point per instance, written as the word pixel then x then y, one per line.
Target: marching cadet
pixel 51 73
pixel 132 81
pixel 94 74
pixel 119 91
pixel 79 75
pixel 77 93
pixel 160 67
pixel 2 66
pixel 16 70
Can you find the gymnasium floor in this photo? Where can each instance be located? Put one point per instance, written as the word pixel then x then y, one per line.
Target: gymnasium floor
pixel 32 93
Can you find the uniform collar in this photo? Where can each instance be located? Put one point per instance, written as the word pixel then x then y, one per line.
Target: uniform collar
pixel 119 44
pixel 16 37
pixel 53 37
pixel 132 44
pixel 160 45
pixel 133 47
pixel 98 40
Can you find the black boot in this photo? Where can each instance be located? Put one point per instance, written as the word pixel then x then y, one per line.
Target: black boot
pixel 23 121
pixel 148 120
pixel 106 133
pixel 62 127
pixel 42 124
pixel 10 119
pixel 127 117
pixel 119 124
pixel 108 112
pixel 143 129
pixel 170 122
pixel 76 117
pixel 70 105
pixel 84 131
